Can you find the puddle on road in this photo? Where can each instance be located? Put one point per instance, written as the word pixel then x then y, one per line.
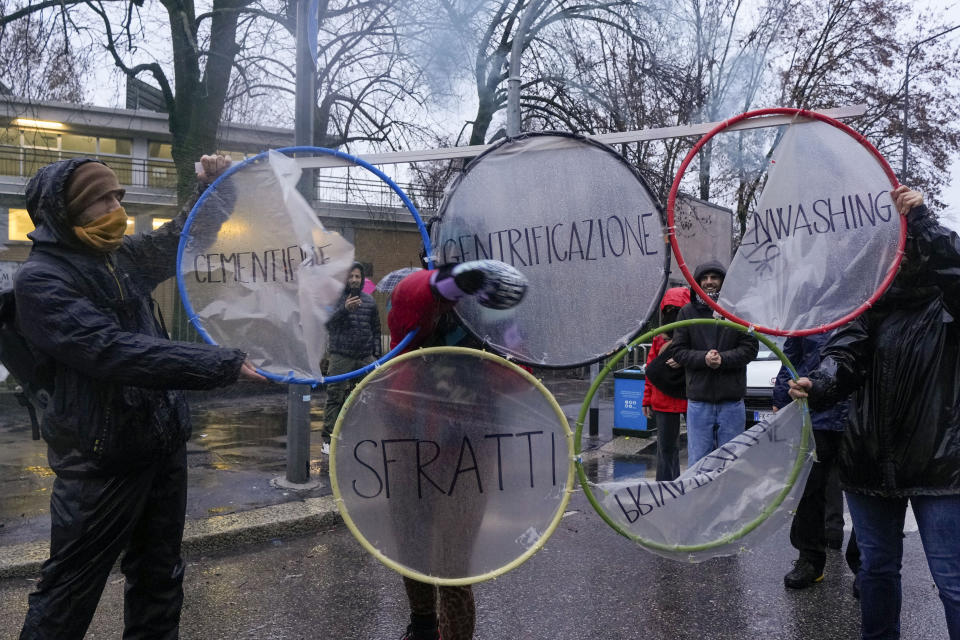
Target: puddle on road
pixel 621 467
pixel 247 439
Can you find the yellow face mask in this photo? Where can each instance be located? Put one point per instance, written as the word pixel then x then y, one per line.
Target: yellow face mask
pixel 105 234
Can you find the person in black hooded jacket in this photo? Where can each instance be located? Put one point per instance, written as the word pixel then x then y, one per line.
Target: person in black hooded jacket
pixel 901 361
pixel 116 423
pixel 715 361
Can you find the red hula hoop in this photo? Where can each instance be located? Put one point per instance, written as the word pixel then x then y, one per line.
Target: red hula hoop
pixel 802 113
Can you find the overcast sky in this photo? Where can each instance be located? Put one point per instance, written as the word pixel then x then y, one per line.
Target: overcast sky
pixel 951 195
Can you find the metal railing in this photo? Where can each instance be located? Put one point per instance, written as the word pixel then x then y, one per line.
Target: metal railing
pixel 145 172
pixel 371 193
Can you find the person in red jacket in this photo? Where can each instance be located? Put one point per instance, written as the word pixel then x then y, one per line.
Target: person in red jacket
pixel 657 404
pixel 423 302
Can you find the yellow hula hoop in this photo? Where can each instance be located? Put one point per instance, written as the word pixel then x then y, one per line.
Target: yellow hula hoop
pixel 406 571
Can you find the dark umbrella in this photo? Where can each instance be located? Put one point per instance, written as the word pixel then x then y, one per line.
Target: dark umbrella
pixel 392 279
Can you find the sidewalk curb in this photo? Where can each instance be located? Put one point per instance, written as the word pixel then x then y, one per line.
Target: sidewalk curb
pixel 205 534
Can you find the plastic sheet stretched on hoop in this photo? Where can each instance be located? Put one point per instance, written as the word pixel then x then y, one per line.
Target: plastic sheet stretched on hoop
pixel 451 465
pixel 822 236
pixel 822 241
pixel 260 271
pixel 733 493
pixel 581 225
pixel 741 488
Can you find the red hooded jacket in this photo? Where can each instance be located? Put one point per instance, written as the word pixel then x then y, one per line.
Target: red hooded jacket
pixel 414 306
pixel 653 397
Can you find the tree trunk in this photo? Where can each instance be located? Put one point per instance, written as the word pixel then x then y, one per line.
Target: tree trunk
pixel 191 140
pixel 198 105
pixel 706 157
pixel 481 123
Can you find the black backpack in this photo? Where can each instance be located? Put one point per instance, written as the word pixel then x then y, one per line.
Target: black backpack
pixel 33 371
pixel 664 377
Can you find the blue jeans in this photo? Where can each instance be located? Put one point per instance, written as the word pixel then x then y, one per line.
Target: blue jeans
pixel 879 526
pixel 710 425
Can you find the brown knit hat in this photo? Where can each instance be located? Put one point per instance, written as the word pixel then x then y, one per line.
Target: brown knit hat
pixel 88 183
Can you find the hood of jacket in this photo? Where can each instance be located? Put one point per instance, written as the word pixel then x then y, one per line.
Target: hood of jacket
pixel 909 290
pixel 47 205
pixel 677 297
pixel 711 265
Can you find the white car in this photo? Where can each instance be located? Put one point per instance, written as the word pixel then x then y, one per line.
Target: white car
pixel 761 376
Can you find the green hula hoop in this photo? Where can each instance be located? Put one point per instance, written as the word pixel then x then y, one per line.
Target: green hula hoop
pixel 802 452
pixel 396 566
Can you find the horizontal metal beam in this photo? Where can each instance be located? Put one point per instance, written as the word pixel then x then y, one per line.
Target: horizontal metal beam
pixel 450 153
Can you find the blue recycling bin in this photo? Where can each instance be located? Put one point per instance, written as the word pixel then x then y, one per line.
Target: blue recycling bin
pixel 628 418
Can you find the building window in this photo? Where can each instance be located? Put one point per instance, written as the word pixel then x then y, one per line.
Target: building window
pixel 116 146
pixel 18 225
pixel 10 136
pixel 82 144
pixel 159 150
pixel 46 140
pixel 159 222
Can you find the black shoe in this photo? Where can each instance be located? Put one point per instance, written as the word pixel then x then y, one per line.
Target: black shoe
pixel 802 575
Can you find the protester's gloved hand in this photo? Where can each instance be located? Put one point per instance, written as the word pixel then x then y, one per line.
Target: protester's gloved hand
pixel 496 284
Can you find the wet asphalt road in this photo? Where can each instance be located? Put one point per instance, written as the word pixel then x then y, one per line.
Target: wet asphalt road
pixel 588 582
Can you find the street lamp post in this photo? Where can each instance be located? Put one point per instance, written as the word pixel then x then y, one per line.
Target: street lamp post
pixel 298 395
pixel 906 98
pixel 530 14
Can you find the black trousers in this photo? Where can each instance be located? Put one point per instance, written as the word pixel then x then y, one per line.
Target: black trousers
pixel 93 520
pixel 834 507
pixel 808 530
pixel 668 445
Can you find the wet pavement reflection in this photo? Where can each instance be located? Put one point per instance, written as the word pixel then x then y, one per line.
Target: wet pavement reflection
pixel 627 467
pixel 238 451
pixel 237 448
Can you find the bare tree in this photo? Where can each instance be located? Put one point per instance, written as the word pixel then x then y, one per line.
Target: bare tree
pixel 203 49
pixel 37 60
pixel 369 86
pixel 606 80
pixel 488 29
pixel 237 57
pixel 851 52
pixel 705 61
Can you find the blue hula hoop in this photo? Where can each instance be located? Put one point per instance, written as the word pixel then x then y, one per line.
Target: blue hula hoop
pixel 289 378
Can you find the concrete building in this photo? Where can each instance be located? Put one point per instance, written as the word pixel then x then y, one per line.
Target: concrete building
pixel 136 144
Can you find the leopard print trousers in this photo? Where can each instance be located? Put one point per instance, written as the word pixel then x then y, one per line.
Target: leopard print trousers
pixel 457 610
